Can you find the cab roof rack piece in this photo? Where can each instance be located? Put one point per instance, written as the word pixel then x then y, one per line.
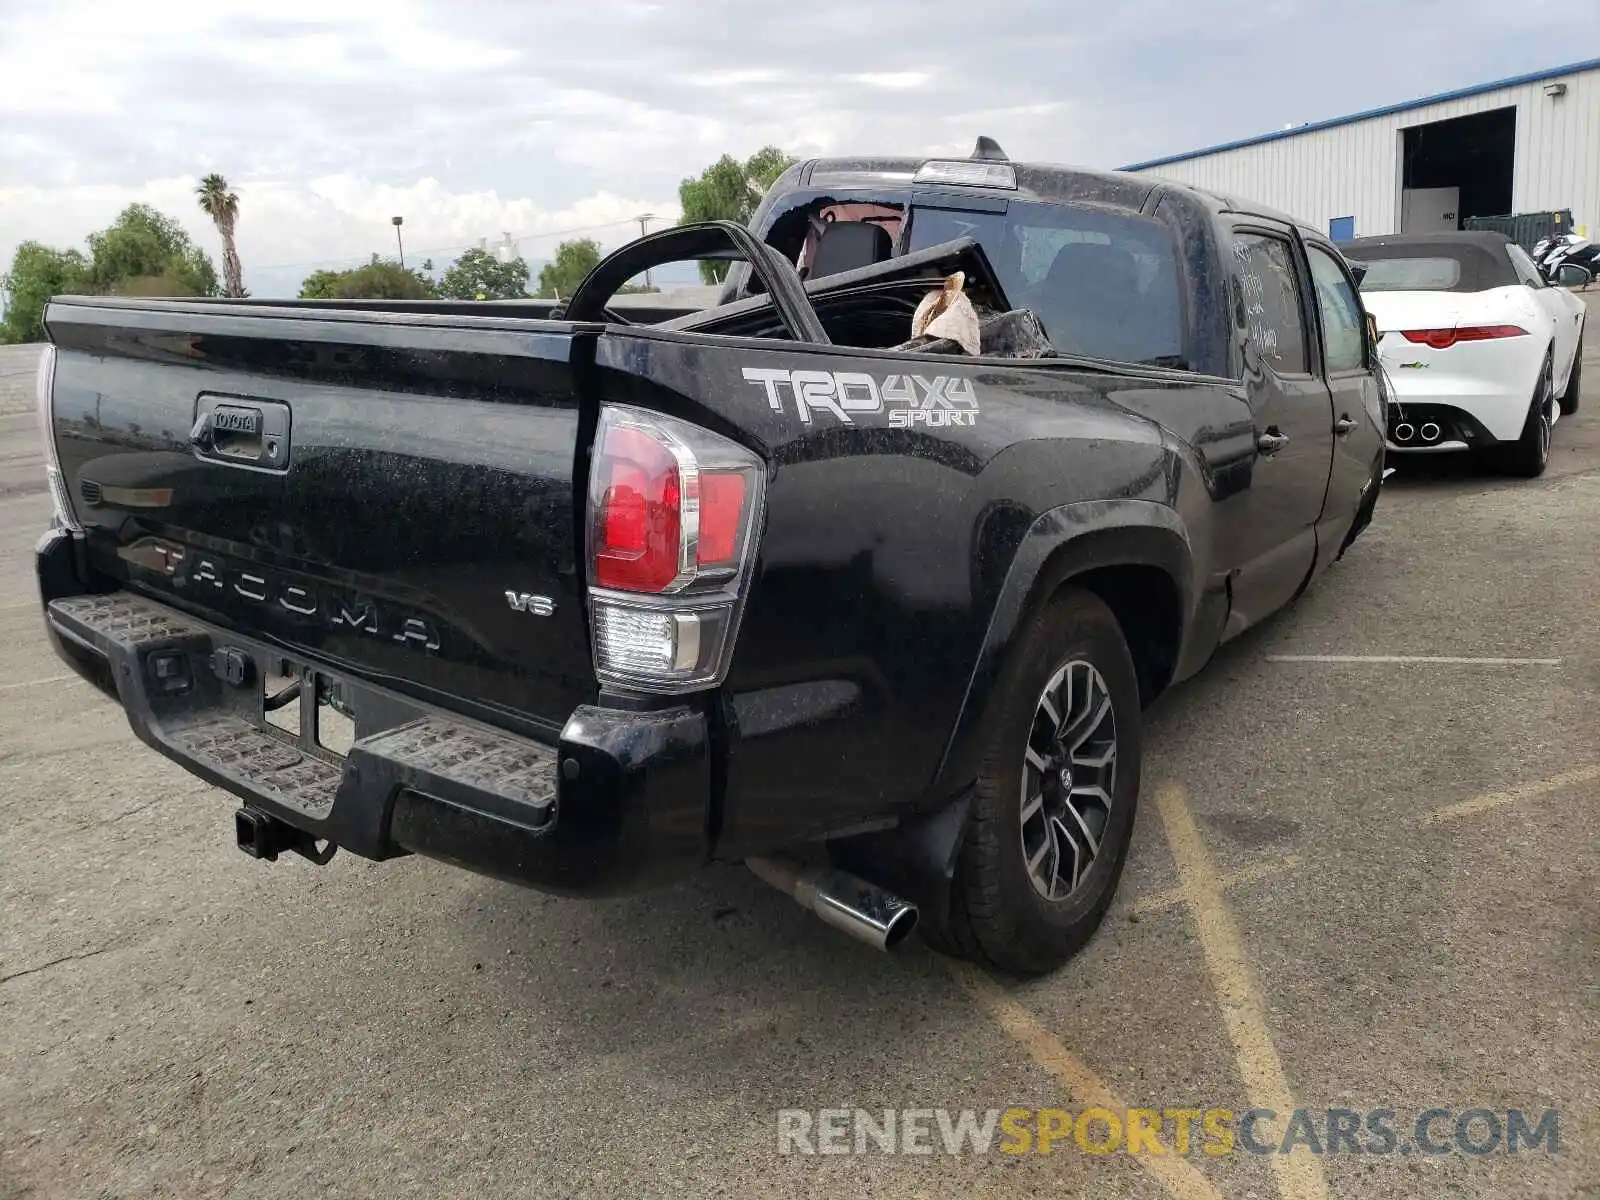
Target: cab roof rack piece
pixel 989 150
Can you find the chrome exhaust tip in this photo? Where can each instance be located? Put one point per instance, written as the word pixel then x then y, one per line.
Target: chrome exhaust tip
pixel 864 910
pixel 1429 432
pixel 1404 432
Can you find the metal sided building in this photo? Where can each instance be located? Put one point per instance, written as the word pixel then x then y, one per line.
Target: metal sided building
pixel 1524 145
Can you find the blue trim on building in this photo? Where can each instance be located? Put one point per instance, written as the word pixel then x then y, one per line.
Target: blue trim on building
pixel 1387 110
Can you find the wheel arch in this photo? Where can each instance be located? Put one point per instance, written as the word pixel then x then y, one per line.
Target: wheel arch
pixel 1135 555
pixel 1548 359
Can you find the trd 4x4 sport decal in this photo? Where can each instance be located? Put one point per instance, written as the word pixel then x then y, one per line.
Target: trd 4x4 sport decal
pixel 908 399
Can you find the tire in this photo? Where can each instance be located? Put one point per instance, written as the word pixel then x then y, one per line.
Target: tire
pixel 999 915
pixel 1528 456
pixel 1570 397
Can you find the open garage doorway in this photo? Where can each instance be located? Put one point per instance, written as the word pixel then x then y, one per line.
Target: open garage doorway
pixel 1455 169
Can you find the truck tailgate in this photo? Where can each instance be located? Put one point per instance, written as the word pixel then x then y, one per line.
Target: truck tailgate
pixel 393 495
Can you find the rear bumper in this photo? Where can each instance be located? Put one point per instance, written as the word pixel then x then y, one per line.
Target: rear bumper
pixel 1497 414
pixel 617 803
pixel 1434 427
pixel 1490 382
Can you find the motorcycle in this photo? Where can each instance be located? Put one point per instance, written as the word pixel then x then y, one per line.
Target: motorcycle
pixel 1552 253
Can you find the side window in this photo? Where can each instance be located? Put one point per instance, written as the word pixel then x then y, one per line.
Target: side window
pixel 1269 297
pixel 1527 272
pixel 1344 346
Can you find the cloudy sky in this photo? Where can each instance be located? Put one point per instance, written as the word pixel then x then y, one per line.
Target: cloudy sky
pixel 477 118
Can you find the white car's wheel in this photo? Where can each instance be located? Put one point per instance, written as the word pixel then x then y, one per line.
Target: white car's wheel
pixel 1528 456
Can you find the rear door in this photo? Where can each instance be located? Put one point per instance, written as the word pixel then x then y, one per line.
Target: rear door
pixel 1275 542
pixel 390 494
pixel 1346 362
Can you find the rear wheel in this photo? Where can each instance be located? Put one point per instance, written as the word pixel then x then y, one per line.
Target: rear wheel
pixel 1570 397
pixel 1053 806
pixel 1528 456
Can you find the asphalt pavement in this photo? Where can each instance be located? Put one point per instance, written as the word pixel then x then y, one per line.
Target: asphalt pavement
pixel 1359 881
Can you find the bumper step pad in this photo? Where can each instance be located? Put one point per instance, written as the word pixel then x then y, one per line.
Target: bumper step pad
pixel 437 748
pixel 121 620
pixel 214 731
pixel 232 746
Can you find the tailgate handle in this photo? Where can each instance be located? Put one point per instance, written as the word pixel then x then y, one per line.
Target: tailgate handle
pixel 240 432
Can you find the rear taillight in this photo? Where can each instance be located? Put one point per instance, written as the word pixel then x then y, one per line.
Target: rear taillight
pixel 1443 339
pixel 638 523
pixel 722 503
pixel 672 524
pixel 44 397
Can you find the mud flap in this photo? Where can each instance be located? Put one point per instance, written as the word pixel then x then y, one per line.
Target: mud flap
pixel 916 859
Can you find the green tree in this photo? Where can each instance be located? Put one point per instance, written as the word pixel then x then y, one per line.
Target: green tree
pixel 560 277
pixel 141 253
pixel 144 250
pixel 219 203
pixel 166 284
pixel 381 279
pixel 319 285
pixel 37 273
pixel 730 190
pixel 478 275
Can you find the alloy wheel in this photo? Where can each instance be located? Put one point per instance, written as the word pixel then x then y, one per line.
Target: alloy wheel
pixel 1068 779
pixel 1546 404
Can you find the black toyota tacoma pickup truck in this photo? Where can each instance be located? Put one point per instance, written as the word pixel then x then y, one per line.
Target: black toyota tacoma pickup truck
pixel 587 602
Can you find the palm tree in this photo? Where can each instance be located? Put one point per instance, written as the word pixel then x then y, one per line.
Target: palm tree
pixel 222 206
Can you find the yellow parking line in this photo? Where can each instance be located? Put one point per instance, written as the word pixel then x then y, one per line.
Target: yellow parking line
pixel 1515 795
pixel 1299 1174
pixel 1082 1084
pixel 1167 897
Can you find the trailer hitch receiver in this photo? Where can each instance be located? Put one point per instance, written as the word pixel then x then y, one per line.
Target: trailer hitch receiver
pixel 262 835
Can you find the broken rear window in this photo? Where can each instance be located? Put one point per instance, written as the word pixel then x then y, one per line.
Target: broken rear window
pixel 1101 284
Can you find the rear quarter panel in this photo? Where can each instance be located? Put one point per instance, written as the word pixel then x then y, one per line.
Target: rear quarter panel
pixel 887 545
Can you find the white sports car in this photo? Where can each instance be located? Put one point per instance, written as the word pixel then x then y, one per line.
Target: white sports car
pixel 1481 352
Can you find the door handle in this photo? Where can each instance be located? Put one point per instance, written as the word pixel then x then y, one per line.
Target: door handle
pixel 1344 425
pixel 1271 441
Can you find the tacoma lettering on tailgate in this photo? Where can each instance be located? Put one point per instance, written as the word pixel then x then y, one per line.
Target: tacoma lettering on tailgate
pixel 191 570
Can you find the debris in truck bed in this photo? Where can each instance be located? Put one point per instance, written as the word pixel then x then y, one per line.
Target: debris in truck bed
pixel 1014 334
pixel 948 313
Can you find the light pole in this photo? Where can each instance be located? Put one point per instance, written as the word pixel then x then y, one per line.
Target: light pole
pixel 644 220
pixel 397 222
